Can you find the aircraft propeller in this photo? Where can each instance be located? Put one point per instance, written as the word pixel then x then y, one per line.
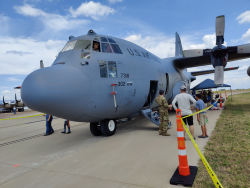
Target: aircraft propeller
pixel 219 54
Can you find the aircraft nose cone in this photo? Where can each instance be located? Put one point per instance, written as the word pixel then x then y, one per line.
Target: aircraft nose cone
pixel 59 90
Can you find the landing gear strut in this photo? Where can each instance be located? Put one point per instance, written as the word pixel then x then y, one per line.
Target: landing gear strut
pixel 108 127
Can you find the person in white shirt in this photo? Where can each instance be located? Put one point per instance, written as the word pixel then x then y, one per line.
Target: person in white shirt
pixel 184 104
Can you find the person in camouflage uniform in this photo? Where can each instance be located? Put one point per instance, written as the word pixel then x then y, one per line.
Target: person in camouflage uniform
pixel 163 110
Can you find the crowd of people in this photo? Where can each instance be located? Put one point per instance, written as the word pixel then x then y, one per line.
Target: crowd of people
pixel 186 103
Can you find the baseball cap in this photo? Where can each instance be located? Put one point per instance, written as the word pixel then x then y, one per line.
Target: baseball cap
pixel 183 87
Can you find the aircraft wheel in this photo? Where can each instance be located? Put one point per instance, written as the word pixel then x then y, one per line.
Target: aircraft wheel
pixel 95 130
pixel 108 127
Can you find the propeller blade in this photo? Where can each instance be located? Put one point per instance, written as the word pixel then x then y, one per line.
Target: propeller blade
pixel 243 49
pixel 219 29
pixel 248 71
pixel 219 75
pixel 193 53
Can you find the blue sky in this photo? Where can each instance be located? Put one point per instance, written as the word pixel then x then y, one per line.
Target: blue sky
pixel 32 30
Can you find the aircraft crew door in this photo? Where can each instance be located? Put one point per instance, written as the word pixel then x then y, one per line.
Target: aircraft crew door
pixel 152 93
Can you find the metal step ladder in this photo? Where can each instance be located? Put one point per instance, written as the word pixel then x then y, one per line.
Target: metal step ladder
pixel 154 117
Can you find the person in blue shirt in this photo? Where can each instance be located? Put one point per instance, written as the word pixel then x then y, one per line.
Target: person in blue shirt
pixel 14 109
pixel 49 129
pixel 201 117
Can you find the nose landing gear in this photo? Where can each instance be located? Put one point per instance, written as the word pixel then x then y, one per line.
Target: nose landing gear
pixel 107 128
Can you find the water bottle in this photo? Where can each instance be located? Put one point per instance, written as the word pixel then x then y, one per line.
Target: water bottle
pixel 206 120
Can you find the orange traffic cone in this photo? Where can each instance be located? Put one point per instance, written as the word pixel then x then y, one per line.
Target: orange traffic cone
pixel 184 174
pixel 226 94
pixel 221 103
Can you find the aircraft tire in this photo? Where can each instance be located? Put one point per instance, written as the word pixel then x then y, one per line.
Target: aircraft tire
pixel 108 127
pixel 94 129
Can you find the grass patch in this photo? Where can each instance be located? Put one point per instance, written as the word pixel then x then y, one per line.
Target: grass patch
pixel 228 148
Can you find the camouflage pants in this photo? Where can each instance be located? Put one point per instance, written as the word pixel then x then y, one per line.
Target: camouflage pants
pixel 163 123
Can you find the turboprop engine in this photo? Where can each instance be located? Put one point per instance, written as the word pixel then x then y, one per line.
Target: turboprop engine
pixel 220 54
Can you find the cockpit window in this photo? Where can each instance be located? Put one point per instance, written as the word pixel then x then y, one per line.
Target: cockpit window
pixel 103 69
pixel 96 46
pixel 69 46
pixel 104 39
pixel 106 48
pixel 83 44
pixel 111 40
pixel 116 49
pixel 112 69
pixel 96 38
pixel 85 55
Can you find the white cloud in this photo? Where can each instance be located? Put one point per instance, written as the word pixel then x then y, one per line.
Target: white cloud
pixel 160 46
pixel 16 64
pixel 5 91
pixel 114 1
pixel 243 68
pixel 244 17
pixel 54 22
pixel 92 9
pixel 13 79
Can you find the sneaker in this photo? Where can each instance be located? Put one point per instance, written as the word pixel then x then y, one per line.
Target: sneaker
pixel 194 138
pixel 68 132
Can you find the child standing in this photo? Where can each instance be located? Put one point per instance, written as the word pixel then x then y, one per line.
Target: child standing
pixel 201 117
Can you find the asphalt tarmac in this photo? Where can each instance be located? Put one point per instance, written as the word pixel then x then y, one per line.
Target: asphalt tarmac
pixel 136 156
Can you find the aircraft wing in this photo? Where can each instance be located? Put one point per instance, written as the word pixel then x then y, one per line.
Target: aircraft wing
pixel 199 73
pixel 205 59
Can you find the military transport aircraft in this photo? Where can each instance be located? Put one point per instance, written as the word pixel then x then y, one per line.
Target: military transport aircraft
pixel 102 79
pixel 11 104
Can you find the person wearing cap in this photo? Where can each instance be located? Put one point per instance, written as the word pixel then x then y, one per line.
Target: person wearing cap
pixel 163 110
pixel 183 99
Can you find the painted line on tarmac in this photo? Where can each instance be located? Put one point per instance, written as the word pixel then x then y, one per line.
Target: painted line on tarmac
pixel 25 123
pixel 31 137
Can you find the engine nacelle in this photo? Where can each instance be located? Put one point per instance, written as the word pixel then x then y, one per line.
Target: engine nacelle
pixel 248 71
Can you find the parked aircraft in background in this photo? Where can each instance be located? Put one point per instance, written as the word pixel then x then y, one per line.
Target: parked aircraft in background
pixel 10 104
pixel 102 79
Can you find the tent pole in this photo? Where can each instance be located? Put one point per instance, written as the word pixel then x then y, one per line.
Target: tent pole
pixel 231 94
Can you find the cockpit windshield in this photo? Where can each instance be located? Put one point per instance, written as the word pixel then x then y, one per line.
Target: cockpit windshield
pixel 78 45
pixel 69 46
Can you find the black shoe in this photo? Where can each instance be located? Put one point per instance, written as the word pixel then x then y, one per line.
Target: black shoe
pixel 201 136
pixel 52 132
pixel 63 132
pixel 207 136
pixel 194 138
pixel 68 132
pixel 46 135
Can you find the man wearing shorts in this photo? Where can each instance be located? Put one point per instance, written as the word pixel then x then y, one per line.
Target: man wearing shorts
pixel 183 99
pixel 201 117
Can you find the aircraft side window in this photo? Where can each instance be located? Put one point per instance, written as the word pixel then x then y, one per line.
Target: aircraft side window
pixel 106 48
pixel 96 46
pixel 112 69
pixel 103 69
pixel 104 39
pixel 69 46
pixel 116 49
pixel 85 55
pixel 83 44
pixel 111 40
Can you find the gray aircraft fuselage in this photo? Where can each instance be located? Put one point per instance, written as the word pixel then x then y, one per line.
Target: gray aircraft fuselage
pixel 72 88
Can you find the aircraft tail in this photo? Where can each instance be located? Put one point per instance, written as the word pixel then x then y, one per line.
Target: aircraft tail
pixel 178 46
